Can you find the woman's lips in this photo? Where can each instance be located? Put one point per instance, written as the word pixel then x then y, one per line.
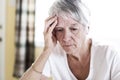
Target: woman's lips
pixel 67 45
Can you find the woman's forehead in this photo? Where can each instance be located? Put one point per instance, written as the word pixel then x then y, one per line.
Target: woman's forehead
pixel 66 20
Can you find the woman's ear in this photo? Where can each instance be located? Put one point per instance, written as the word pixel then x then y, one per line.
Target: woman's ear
pixel 87 29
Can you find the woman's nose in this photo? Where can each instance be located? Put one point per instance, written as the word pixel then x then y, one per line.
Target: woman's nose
pixel 66 36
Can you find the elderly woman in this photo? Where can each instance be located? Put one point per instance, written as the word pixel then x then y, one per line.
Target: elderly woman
pixel 69 54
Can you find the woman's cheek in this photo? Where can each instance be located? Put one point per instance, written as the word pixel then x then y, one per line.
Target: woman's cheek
pixel 77 40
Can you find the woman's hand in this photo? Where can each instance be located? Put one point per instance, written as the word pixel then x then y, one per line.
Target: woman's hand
pixel 45 78
pixel 49 37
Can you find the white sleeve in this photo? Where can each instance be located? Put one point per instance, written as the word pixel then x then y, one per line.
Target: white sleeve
pixel 115 71
pixel 46 70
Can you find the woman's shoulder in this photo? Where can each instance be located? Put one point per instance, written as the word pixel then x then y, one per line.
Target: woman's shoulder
pixel 103 49
pixel 99 46
pixel 103 46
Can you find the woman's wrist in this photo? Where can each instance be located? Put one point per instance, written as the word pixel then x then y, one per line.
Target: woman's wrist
pixel 38 65
pixel 35 70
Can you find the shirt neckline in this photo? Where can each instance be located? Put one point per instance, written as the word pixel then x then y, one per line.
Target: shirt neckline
pixel 91 67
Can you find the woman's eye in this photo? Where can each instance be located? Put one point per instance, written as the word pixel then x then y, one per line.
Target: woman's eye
pixel 74 29
pixel 59 30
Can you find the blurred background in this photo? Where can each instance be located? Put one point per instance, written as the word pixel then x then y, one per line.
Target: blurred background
pixel 22 24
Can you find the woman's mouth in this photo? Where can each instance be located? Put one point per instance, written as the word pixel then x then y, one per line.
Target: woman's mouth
pixel 67 45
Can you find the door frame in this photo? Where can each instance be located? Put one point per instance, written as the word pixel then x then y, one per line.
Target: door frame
pixel 3 24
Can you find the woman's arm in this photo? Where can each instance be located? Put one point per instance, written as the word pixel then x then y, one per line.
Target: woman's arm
pixel 35 71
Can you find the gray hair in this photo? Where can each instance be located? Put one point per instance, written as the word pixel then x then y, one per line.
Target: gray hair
pixel 75 8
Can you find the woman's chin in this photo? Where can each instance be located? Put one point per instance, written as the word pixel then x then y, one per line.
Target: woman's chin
pixel 69 50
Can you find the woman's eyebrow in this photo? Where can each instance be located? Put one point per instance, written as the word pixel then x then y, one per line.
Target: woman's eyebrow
pixel 72 25
pixel 58 26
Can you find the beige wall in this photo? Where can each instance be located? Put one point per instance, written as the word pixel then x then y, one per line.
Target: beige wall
pixel 10 42
pixel 38 50
pixel 10 26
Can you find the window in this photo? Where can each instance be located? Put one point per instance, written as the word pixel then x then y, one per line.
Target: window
pixel 105 17
pixel 42 7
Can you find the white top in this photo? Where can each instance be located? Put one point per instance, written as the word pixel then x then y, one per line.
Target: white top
pixel 104 64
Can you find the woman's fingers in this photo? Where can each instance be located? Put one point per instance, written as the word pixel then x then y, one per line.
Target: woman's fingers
pixel 49 37
pixel 51 28
pixel 50 23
